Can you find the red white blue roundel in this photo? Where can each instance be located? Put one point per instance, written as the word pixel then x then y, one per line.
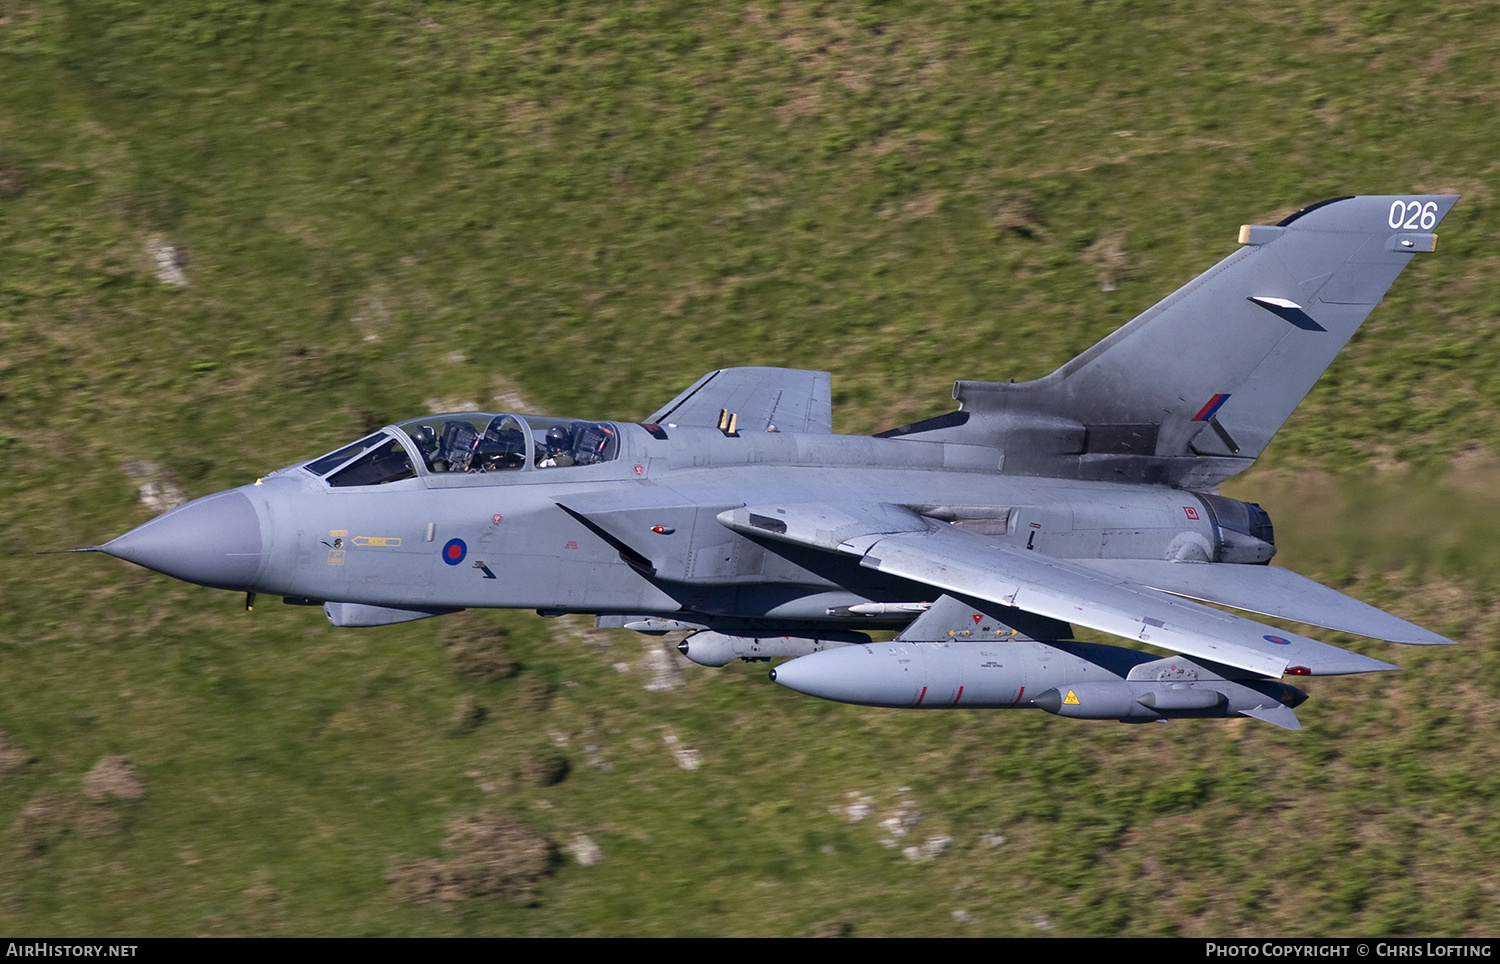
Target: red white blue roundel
pixel 454 551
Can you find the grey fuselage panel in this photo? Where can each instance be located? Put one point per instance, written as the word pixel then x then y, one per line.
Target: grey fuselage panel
pixel 640 534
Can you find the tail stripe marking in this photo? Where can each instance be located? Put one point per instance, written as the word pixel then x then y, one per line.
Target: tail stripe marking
pixel 1211 408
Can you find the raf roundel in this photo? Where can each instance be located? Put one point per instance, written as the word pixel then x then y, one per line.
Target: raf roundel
pixel 454 551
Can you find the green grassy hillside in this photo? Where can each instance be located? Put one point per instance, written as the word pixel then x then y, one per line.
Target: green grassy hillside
pixel 382 208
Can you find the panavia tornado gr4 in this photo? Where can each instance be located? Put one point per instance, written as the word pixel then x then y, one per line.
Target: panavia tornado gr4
pixel 1085 498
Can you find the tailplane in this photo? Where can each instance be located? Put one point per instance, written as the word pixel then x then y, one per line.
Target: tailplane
pixel 1191 391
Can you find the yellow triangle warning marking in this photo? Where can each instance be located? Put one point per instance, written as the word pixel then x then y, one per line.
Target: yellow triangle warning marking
pixel 1072 698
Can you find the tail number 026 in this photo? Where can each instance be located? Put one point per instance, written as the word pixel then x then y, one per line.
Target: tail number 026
pixel 1413 214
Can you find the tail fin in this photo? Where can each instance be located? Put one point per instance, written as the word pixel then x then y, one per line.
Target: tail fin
pixel 1192 390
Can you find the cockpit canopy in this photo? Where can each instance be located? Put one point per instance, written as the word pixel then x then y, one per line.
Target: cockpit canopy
pixel 469 442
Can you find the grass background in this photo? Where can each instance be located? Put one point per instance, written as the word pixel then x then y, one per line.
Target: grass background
pixel 386 208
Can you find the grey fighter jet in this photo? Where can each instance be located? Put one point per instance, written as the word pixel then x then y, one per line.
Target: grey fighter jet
pixel 1085 498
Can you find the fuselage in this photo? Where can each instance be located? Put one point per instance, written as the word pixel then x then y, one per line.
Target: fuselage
pixel 639 533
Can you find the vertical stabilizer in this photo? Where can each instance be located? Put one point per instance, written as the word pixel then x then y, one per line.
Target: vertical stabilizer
pixel 1193 389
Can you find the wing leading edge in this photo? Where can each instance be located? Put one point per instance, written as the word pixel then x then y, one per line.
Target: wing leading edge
pixel 1279 593
pixel 898 542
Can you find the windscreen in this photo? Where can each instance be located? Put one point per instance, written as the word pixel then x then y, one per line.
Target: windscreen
pixel 387 462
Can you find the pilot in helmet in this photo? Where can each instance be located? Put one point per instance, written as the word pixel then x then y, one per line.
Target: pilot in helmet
pixel 557 447
pixel 426 439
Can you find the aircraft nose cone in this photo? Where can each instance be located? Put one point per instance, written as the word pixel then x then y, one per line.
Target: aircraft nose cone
pixel 213 541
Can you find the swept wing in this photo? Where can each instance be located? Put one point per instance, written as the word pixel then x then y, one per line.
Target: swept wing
pixel 1269 591
pixel 900 543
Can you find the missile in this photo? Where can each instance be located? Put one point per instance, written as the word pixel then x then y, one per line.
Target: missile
pixel 880 609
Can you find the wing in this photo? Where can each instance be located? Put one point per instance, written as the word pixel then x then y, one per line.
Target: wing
pixel 900 543
pixel 763 399
pixel 1279 593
